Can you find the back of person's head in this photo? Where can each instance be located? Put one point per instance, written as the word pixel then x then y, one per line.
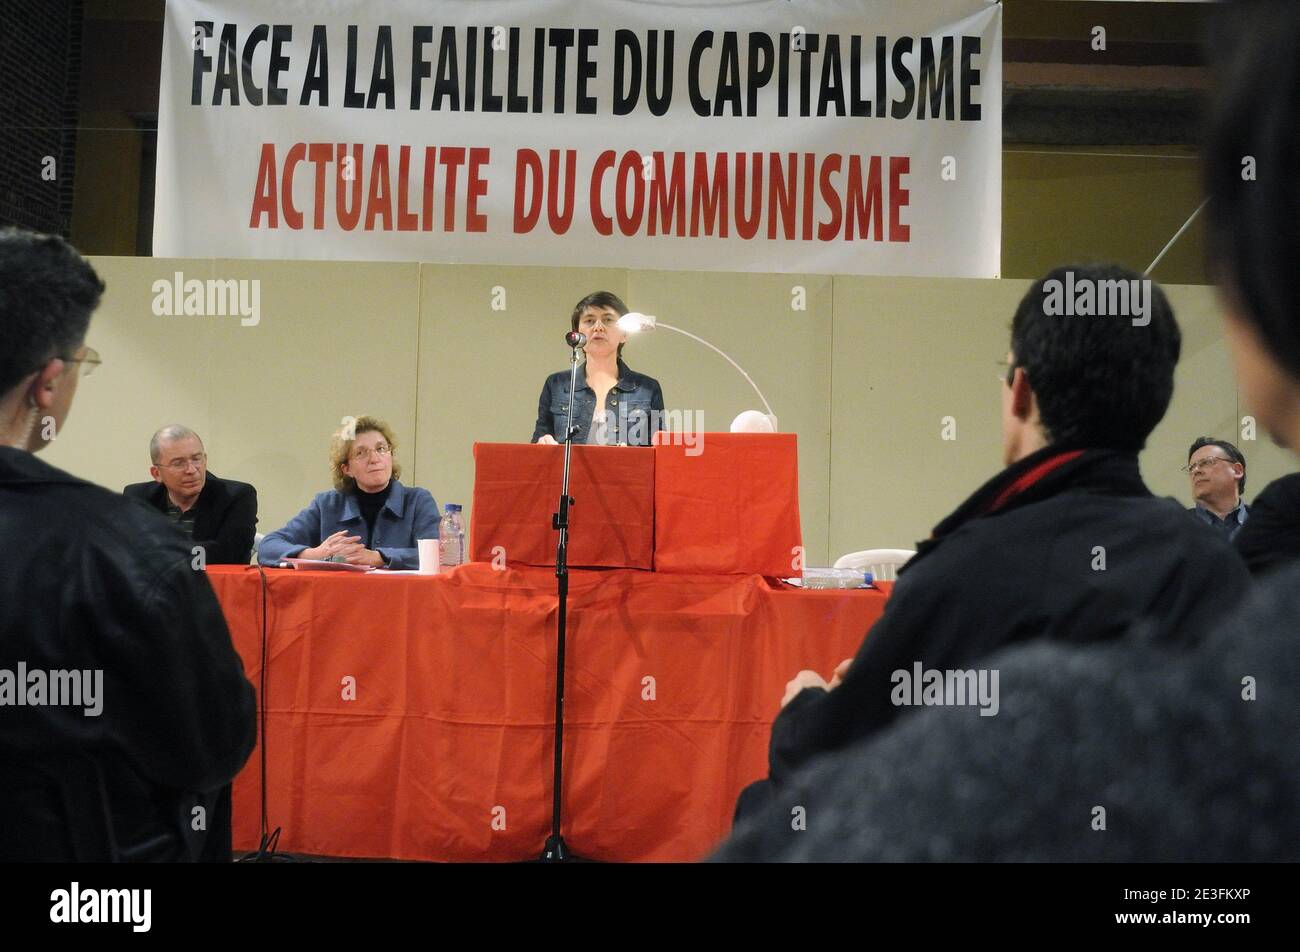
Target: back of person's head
pixel 47 294
pixel 1230 451
pixel 1252 168
pixel 1101 380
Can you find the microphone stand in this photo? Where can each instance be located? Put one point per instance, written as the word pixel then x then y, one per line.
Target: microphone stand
pixel 556 850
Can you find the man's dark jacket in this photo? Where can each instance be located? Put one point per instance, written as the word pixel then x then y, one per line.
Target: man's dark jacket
pixel 225 516
pixel 1271 536
pixel 1064 545
pixel 90 580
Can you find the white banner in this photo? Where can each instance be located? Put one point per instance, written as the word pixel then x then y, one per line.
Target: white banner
pixel 837 136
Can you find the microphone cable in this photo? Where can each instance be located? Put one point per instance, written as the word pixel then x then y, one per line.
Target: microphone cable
pixel 266 850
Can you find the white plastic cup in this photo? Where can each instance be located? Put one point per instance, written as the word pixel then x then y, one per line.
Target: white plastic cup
pixel 430 558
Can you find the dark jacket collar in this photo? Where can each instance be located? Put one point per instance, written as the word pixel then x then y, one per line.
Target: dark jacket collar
pixel 626 377
pixel 19 466
pixel 1040 476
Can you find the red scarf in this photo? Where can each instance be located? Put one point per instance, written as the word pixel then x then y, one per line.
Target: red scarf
pixel 1029 477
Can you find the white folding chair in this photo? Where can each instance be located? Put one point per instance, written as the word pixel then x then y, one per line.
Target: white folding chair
pixel 257 540
pixel 883 564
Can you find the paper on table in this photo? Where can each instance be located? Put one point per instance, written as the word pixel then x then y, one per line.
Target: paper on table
pixel 325 566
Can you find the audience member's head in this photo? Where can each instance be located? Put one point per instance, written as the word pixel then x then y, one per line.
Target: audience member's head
pixel 1218 473
pixel 47 294
pixel 1252 177
pixel 1093 351
pixel 179 461
pixel 363 454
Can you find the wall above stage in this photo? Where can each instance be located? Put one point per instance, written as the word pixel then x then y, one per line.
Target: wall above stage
pixel 873 374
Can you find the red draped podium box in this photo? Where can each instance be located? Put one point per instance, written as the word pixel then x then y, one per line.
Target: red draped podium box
pixel 727 505
pixel 517 488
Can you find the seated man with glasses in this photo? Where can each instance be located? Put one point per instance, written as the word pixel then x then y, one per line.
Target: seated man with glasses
pixel 219 515
pixel 1218 473
pixel 369 517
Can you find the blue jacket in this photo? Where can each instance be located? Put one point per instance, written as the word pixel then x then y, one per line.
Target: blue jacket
pixel 634 408
pixel 409 513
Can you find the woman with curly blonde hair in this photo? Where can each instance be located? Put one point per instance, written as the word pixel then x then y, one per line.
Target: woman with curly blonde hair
pixel 369 517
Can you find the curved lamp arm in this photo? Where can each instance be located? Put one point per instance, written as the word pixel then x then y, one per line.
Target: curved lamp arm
pixel 638 322
pixel 766 406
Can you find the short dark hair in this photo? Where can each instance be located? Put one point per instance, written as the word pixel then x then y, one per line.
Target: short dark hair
pixel 47 294
pixel 599 300
pixel 1234 454
pixel 1100 381
pixel 1252 167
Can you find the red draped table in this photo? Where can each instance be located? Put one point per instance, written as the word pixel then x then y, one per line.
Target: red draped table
pixel 411 716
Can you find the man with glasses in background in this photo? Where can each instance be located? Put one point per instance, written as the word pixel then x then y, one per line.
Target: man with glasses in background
pixel 1218 473
pixel 219 515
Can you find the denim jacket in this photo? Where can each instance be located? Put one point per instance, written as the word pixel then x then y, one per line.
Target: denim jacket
pixel 409 513
pixel 633 410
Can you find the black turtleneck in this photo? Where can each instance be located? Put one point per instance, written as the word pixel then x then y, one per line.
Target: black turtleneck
pixel 370 504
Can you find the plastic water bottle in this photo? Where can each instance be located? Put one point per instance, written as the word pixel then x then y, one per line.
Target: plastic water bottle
pixel 451 537
pixel 835 578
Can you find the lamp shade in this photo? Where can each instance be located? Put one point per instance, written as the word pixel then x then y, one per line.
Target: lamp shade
pixel 752 421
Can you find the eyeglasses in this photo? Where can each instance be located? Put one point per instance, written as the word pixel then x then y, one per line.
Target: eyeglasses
pixel 589 321
pixel 360 453
pixel 88 362
pixel 184 463
pixel 1206 463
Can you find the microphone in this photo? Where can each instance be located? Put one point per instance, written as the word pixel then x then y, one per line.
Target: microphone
pixel 575 339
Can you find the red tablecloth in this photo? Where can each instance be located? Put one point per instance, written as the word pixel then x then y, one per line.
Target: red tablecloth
pixel 411 716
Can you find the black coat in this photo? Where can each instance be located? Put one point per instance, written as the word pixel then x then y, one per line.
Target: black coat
pixel 225 516
pixel 91 581
pixel 1189 762
pixel 1021 560
pixel 1271 536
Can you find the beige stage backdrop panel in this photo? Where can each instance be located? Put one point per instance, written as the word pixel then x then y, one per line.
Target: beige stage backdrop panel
pixel 917 402
pixel 776 326
pixel 155 371
pixel 489 336
pixel 871 373
pixel 332 340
